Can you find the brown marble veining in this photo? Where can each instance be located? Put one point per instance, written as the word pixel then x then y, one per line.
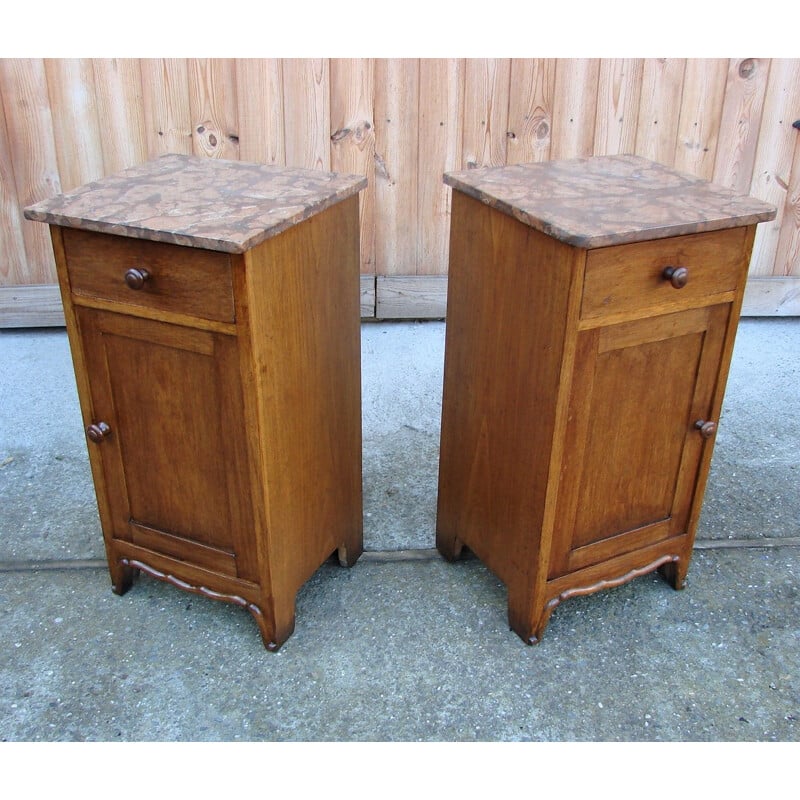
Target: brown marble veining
pixel 608 200
pixel 215 204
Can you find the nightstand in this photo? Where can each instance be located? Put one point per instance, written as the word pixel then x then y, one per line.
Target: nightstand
pixel 212 309
pixel 592 308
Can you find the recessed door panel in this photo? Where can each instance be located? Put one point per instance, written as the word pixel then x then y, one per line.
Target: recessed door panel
pixel 632 449
pixel 175 456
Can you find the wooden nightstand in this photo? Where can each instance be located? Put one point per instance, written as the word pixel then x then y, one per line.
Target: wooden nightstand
pixel 592 309
pixel 213 315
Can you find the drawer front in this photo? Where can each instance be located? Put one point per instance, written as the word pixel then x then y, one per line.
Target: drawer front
pixel 633 278
pixel 153 275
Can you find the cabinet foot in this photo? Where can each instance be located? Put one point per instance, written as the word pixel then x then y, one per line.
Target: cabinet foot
pixel 122 577
pixel 674 573
pixel 527 625
pixel 450 547
pixel 283 624
pixel 272 639
pixel 348 554
pixel 529 638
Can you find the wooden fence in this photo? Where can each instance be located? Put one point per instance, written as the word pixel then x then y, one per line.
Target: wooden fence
pixel 402 123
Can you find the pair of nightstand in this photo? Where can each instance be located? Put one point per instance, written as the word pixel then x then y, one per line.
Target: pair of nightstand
pixel 213 314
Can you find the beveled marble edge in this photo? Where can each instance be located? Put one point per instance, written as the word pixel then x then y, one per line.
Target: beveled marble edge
pixel 552 219
pixel 222 244
pixel 640 234
pixel 253 228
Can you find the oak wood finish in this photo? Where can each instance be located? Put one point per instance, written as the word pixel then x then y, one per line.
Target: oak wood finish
pixel 581 396
pixel 630 279
pixel 222 417
pixel 179 279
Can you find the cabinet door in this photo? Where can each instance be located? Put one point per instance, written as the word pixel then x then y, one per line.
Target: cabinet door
pixel 632 449
pixel 174 453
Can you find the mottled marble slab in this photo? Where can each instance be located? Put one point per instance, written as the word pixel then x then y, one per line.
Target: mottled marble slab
pixel 608 200
pixel 215 204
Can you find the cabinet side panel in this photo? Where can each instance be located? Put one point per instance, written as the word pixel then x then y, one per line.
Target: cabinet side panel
pixel 302 292
pixel 508 294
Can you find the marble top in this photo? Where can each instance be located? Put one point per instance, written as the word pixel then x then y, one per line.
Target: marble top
pixel 214 204
pixel 608 200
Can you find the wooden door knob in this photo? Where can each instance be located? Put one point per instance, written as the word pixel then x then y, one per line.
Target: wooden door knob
pixel 98 431
pixel 707 429
pixel 677 276
pixel 136 278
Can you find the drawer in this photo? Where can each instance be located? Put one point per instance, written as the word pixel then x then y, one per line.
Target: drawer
pixel 182 280
pixel 630 278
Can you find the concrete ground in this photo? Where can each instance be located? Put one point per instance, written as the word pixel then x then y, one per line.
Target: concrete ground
pixel 401 647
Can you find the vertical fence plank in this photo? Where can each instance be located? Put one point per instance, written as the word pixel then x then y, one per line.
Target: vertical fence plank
pixel 353 139
pixel 33 154
pixel 740 122
pixel 486 88
pixel 618 96
pixel 575 107
pixel 401 122
pixel 773 168
pixel 168 122
pixel 76 129
pixel 396 158
pixel 12 243
pixel 530 110
pixel 213 109
pixel 259 96
pixel 441 94
pixel 659 108
pixel 701 107
pixel 787 260
pixel 120 112
pixel 307 116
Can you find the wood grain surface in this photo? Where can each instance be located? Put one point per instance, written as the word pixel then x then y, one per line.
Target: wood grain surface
pixel 400 123
pixel 582 391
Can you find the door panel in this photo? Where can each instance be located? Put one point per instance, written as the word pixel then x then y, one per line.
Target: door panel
pixel 172 397
pixel 632 451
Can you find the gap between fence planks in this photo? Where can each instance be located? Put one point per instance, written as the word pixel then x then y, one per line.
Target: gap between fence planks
pixel 400 122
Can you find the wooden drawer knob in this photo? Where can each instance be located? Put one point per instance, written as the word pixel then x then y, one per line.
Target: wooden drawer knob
pixel 136 278
pixel 707 429
pixel 677 276
pixel 98 431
